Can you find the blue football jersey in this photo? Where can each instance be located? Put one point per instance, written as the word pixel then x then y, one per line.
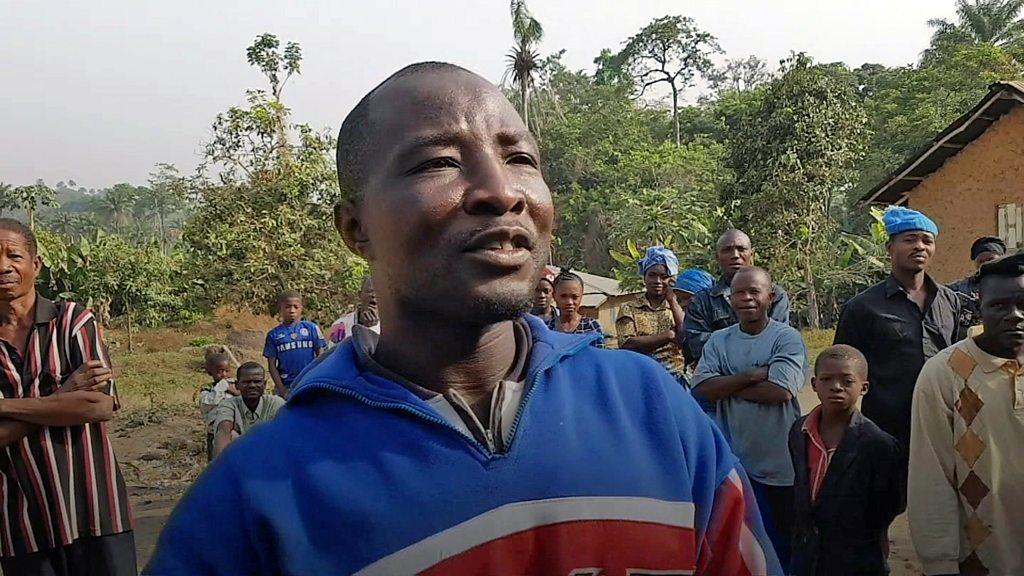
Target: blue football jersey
pixel 294 347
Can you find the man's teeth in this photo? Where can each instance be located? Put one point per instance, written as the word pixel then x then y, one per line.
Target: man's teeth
pixel 505 245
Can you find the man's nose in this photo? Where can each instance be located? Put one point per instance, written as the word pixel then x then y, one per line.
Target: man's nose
pixel 491 191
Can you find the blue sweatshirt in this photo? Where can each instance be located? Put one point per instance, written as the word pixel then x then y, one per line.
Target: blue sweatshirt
pixel 611 464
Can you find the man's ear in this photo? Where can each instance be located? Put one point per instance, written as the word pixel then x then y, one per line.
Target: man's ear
pixel 37 264
pixel 350 226
pixel 864 388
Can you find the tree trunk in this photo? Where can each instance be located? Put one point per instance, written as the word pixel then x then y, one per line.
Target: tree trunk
pixel 813 311
pixel 524 90
pixel 163 233
pixel 675 112
pixel 284 152
pixel 131 336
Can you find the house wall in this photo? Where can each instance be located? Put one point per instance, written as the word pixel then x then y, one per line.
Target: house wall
pixel 963 195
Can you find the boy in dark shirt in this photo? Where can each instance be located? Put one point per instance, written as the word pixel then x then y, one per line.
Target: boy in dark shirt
pixel 848 475
pixel 293 344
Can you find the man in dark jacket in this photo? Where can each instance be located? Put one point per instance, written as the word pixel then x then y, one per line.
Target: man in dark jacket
pixel 710 309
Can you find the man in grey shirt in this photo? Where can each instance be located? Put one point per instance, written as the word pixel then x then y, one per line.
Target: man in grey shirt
pixel 754 370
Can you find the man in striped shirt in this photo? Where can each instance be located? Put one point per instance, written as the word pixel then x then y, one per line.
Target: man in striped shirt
pixel 63 505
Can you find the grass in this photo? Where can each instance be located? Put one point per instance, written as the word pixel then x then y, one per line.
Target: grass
pixel 165 370
pixel 817 340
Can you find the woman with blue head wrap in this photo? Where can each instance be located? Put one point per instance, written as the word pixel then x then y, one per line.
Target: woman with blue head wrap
pixel 691 281
pixel 650 323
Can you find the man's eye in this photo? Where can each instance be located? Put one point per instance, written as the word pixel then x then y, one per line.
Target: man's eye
pixel 524 159
pixel 435 164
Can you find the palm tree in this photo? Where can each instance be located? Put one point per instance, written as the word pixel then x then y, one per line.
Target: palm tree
pixel 981 21
pixel 523 59
pixel 118 203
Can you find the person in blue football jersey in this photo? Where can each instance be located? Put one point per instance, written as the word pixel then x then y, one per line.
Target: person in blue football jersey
pixel 293 344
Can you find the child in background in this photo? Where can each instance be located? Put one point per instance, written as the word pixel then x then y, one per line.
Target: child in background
pixel 218 366
pixel 293 344
pixel 848 475
pixel 569 300
pixel 365 314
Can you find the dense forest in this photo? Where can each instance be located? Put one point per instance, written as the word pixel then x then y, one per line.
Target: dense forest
pixel 783 150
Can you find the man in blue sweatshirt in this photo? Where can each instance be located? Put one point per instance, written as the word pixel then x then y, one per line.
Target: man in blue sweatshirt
pixel 467 438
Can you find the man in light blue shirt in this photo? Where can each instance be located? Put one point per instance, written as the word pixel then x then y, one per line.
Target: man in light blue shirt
pixel 754 370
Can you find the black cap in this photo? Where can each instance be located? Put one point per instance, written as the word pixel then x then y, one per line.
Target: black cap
pixel 988 244
pixel 1012 265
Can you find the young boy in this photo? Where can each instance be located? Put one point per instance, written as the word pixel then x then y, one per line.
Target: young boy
pixel 218 366
pixel 754 371
pixel 238 414
pixel 293 345
pixel 848 475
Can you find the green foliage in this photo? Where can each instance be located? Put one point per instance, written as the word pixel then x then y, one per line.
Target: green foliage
pixel 115 278
pixel 264 54
pixel 670 50
pixel 616 179
pixel 31 199
pixel 202 341
pixel 794 159
pixel 524 60
pixel 908 106
pixel 266 224
pixel 992 22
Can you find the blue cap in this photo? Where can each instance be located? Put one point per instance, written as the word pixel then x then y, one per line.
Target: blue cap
pixel 659 255
pixel 694 280
pixel 898 220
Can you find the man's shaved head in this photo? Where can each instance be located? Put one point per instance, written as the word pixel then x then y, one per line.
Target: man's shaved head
pixel 732 236
pixel 733 251
pixel 756 272
pixel 444 197
pixel 357 129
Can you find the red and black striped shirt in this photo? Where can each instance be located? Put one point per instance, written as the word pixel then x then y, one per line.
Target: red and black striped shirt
pixel 57 484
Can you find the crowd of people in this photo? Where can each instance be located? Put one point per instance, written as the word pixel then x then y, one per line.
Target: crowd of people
pixel 465 418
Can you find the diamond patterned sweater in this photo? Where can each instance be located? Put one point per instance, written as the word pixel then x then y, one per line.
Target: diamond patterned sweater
pixel 966 487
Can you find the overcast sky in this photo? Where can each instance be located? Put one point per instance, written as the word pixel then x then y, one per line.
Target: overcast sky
pixel 99 92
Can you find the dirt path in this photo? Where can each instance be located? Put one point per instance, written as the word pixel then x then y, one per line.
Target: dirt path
pixel 160 456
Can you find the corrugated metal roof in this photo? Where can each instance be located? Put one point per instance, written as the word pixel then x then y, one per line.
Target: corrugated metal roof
pixel 596 289
pixel 1001 98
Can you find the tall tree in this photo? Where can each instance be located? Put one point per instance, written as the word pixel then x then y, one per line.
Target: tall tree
pixel 278 67
pixel 739 74
pixel 524 59
pixel 993 22
pixel 166 194
pixel 32 198
pixel 794 159
pixel 118 204
pixel 670 50
pixel 262 220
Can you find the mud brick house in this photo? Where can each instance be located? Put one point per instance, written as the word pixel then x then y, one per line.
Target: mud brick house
pixel 969 179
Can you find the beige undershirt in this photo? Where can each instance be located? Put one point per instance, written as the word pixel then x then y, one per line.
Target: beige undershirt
pixel 452 406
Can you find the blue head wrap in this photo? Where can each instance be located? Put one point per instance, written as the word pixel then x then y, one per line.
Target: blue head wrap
pixel 659 255
pixel 694 280
pixel 898 220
